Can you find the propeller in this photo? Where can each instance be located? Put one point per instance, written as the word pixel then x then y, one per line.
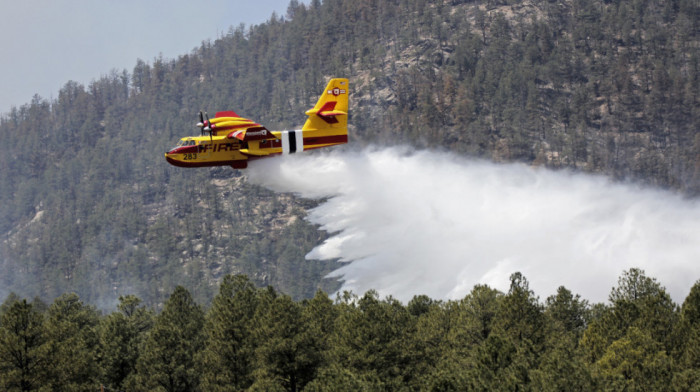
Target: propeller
pixel 208 128
pixel 200 124
pixel 205 126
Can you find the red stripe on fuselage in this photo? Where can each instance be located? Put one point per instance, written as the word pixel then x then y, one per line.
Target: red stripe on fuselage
pixel 336 139
pixel 184 150
pixel 177 163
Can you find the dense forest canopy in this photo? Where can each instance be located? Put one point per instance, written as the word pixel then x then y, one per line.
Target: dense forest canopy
pixel 261 340
pixel 87 203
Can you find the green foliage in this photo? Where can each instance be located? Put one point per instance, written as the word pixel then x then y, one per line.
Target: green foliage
pixel 566 312
pixel 562 365
pixel 258 339
pixel 369 337
pixel 630 345
pixel 168 359
pixel 634 362
pixel 287 349
pixel 71 330
pixel 121 337
pixel 638 302
pixel 228 357
pixel 687 343
pixel 24 356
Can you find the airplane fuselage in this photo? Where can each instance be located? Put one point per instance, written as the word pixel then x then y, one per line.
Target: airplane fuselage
pixel 203 151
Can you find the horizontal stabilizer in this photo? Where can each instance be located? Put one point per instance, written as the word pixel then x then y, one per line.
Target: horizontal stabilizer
pixel 327 112
pixel 331 113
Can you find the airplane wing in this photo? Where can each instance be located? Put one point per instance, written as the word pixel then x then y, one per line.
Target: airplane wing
pixel 239 127
pixel 228 113
pixel 252 133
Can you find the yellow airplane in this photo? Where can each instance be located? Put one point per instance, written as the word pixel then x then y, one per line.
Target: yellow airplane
pixel 234 140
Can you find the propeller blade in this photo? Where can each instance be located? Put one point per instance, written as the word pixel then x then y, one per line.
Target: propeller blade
pixel 200 124
pixel 208 128
pixel 208 123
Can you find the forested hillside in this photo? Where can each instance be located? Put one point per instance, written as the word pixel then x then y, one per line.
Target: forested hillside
pixel 260 340
pixel 88 204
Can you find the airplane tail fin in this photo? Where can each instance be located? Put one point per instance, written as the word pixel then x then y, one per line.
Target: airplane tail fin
pixel 331 110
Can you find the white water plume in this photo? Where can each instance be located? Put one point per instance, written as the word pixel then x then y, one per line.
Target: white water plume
pixel 421 222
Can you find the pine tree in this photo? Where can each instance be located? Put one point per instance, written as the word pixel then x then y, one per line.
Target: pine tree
pixel 71 328
pixel 227 360
pixel 23 347
pixel 121 336
pixel 687 343
pixel 561 365
pixel 287 351
pixel 168 358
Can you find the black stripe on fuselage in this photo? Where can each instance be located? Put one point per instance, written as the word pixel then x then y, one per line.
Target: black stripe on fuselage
pixel 292 142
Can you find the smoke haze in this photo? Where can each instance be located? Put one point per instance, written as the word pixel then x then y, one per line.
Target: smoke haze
pixel 420 222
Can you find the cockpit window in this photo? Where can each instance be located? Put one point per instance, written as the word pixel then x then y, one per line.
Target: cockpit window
pixel 185 142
